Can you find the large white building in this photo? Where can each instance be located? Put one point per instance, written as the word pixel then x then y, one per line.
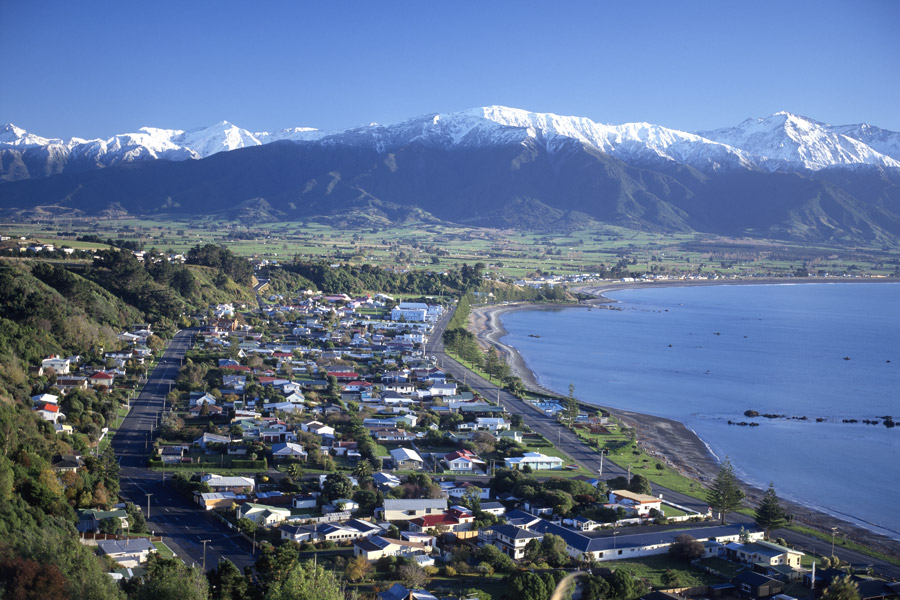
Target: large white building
pixel 535 460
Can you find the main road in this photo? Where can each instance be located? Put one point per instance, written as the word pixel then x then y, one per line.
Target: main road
pixel 182 524
pixel 564 439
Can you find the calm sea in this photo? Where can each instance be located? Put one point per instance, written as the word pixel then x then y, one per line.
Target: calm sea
pixel 704 355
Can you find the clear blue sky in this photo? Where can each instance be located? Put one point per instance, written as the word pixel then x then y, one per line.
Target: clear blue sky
pixel 93 69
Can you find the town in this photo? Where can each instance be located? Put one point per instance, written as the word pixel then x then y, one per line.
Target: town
pixel 331 428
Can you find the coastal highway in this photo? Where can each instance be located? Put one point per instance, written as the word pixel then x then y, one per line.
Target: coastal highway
pixel 569 443
pixel 182 525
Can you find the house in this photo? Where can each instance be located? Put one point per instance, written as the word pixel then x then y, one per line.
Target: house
pixel 399 509
pixel 385 481
pixel 263 514
pixel 494 508
pixel 463 461
pixel 352 529
pixel 406 459
pixel 510 540
pixel 304 502
pixel 621 545
pixel 42 399
pixel 49 412
pixel 535 460
pixel 764 553
pixel 391 434
pixel 398 591
pixel 375 547
pixel 171 454
pixel 219 483
pixel 756 585
pixel 318 428
pixel 410 311
pixel 453 520
pixel 101 379
pixel 211 409
pixel 70 382
pixel 340 505
pixel 211 500
pixel 211 438
pixel 492 424
pixel 635 504
pixel 199 399
pixel 289 450
pixel 129 552
pixel 57 363
pixel 90 518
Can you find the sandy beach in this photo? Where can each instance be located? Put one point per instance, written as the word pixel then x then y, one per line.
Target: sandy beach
pixel 664 438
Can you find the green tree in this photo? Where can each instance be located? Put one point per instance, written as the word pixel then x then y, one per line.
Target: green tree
pixel 337 485
pixel 842 588
pixel 306 581
pixel 686 547
pixel 625 587
pixel 640 485
pixel 725 493
pixel 770 514
pixel 171 579
pixel 526 585
pixel 226 582
pixel 670 578
pixel 358 568
pixel 595 588
pixel 294 471
pixel 492 362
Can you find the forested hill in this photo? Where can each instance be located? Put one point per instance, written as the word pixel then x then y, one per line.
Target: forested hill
pixel 70 307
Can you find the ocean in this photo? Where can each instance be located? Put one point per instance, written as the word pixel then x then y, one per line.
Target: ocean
pixel 704 355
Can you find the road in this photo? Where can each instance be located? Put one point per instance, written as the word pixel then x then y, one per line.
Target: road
pixel 181 523
pixel 568 442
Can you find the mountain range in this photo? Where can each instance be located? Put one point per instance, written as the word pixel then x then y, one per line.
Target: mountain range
pixel 782 176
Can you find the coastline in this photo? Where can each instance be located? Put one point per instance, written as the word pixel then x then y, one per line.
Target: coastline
pixel 664 438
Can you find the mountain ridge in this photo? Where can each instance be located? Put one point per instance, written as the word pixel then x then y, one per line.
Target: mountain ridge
pixel 794 143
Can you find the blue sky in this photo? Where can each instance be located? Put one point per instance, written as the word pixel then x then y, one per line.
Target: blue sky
pixel 93 69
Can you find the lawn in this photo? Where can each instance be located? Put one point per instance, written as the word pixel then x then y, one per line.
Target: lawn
pixel 651 569
pixel 164 551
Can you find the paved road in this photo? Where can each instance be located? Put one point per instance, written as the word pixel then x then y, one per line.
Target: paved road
pixel 569 443
pixel 182 525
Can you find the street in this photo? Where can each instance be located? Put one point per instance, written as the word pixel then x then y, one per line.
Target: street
pixel 182 525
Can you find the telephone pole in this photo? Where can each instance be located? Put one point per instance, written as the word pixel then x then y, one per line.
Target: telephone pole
pixel 148 505
pixel 204 553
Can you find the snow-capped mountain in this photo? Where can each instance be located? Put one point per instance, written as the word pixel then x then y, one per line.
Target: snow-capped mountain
pixel 786 141
pixel 780 142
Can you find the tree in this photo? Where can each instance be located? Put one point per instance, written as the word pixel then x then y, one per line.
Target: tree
pixel 626 587
pixel 595 588
pixel 640 485
pixel 171 579
pixel 472 497
pixel 226 582
pixel 553 550
pixel 306 582
pixel 337 485
pixel 770 514
pixel 294 471
pixel 492 363
pixel 670 578
pixel 413 576
pixel 571 404
pixel 357 568
pixel 526 585
pixel 686 547
pixel 725 493
pixel 842 588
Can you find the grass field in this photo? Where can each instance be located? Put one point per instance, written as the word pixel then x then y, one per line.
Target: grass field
pixel 651 569
pixel 506 253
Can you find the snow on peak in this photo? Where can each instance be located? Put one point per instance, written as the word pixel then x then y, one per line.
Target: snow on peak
pixel 786 140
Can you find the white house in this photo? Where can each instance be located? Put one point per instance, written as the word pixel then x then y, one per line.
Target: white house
pixel 57 363
pixel 263 514
pixel 535 460
pixel 410 311
pixel 129 552
pixel 289 450
pixel 405 458
pixel 639 504
pixel 463 461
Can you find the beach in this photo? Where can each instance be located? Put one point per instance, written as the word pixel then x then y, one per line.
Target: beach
pixel 671 440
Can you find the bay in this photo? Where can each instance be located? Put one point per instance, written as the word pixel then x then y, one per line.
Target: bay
pixel 704 355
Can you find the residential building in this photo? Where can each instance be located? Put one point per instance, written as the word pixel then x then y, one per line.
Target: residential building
pixel 129 552
pixel 404 458
pixel 635 504
pixel 399 509
pixel 535 460
pixel 263 514
pixel 510 540
pixel 375 547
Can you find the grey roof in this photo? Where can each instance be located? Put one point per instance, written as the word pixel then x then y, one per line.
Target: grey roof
pixel 129 546
pixel 598 542
pixel 415 504
pixel 515 533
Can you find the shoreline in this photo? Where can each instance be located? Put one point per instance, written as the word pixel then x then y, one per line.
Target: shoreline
pixel 664 438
